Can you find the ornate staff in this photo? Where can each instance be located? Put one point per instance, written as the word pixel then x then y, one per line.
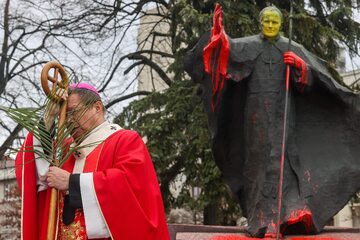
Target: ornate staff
pixel 283 145
pixel 57 85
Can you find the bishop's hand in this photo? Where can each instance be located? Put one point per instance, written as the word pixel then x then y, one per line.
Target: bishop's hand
pixel 58 178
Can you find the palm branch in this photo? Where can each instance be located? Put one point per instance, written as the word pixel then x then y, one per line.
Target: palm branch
pixel 56 142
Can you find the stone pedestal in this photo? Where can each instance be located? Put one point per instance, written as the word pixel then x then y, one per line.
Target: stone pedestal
pixel 201 232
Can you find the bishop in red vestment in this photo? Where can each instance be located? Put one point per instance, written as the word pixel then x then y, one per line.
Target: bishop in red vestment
pixel 106 190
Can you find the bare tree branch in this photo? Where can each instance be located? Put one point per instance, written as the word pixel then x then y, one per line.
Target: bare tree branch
pixel 153 65
pixel 8 142
pixel 112 102
pixel 4 49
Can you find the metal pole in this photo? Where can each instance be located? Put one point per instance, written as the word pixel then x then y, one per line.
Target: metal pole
pixel 283 145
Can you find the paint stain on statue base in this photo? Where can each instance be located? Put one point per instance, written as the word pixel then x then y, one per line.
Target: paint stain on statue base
pixel 233 237
pixel 298 221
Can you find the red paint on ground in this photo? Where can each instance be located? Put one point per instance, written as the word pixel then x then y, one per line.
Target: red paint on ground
pixel 314 238
pixel 271 235
pixel 233 237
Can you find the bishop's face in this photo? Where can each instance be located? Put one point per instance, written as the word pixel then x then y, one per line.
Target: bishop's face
pixel 82 119
pixel 270 24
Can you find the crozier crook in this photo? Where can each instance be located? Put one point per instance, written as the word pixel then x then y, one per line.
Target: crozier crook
pixel 53 95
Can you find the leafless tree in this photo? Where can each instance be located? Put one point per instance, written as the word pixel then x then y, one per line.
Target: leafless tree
pixel 96 40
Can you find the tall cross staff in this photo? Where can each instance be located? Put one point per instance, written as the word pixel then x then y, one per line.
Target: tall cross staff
pixel 57 84
pixel 285 120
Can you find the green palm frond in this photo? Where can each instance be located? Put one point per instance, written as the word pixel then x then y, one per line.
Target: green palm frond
pixel 56 142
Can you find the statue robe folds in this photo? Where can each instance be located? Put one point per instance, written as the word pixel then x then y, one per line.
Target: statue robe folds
pixel 245 108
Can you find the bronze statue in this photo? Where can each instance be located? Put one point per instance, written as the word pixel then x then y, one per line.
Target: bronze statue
pixel 244 93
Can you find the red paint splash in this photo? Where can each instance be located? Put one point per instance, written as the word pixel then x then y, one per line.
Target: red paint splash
pixel 261 217
pixel 262 136
pixel 304 216
pixel 315 188
pixel 315 238
pixel 254 118
pixel 307 175
pixel 271 231
pixel 220 48
pixel 233 237
pixel 319 238
pixel 267 105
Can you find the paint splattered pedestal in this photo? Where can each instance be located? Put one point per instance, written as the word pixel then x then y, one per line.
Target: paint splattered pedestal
pixel 200 232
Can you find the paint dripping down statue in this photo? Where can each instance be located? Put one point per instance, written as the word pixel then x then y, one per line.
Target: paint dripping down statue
pixel 243 90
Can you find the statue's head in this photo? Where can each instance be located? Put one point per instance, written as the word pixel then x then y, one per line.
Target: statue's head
pixel 270 21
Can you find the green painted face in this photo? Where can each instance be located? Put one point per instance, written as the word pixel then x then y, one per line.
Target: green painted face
pixel 270 24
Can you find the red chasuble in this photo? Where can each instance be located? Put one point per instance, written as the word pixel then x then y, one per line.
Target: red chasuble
pixel 125 185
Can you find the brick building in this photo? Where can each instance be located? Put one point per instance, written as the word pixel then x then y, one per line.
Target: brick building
pixel 10 204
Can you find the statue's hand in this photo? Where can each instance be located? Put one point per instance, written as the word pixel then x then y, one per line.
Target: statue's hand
pixel 291 59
